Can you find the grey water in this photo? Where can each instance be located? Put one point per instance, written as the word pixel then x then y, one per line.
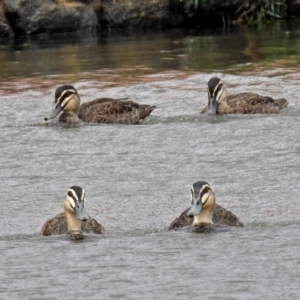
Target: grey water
pixel 137 178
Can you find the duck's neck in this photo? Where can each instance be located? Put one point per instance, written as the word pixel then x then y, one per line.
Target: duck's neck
pixel 69 117
pixel 73 223
pixel 205 216
pixel 222 96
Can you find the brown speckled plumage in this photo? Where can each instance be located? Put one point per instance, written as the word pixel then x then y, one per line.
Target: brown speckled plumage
pixel 220 216
pixel 243 103
pixel 58 225
pixel 204 228
pixel 108 110
pixel 102 110
pixel 74 220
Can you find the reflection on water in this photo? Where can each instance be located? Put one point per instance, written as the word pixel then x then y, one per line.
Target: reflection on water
pixel 137 178
pixel 140 54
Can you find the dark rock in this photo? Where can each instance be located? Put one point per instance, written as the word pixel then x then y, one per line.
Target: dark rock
pixel 135 14
pixel 19 17
pixel 38 16
pixel 5 29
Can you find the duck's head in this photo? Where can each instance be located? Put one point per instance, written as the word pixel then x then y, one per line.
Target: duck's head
pixel 216 92
pixel 202 198
pixel 66 99
pixel 74 203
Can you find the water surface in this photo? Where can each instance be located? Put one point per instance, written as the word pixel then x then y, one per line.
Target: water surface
pixel 137 178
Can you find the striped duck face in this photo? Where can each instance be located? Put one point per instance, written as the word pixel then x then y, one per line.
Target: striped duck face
pixel 216 92
pixel 66 99
pixel 202 197
pixel 74 203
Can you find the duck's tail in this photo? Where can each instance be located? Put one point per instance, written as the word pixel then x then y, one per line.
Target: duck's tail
pixel 145 110
pixel 281 103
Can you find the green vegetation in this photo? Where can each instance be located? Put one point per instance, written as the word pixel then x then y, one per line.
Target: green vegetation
pixel 251 13
pixel 260 12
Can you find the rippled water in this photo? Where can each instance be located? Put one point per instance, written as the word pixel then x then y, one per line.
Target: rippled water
pixel 137 178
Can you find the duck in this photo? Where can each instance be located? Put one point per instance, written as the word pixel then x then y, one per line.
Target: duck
pixel 243 103
pixel 74 220
pixel 102 110
pixel 204 212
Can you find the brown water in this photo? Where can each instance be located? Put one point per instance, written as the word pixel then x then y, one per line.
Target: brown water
pixel 137 178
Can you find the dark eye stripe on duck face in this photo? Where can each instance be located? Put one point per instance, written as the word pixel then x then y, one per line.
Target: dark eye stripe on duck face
pixel 199 189
pixel 76 194
pixel 214 85
pixel 63 93
pixel 218 89
pixel 192 195
pixel 203 191
pixel 65 98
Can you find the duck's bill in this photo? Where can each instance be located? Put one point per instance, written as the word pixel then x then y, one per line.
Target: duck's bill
pixel 54 112
pixel 212 106
pixel 195 209
pixel 80 212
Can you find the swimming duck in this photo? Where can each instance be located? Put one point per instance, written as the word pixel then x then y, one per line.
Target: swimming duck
pixel 74 220
pixel 102 110
pixel 243 103
pixel 204 211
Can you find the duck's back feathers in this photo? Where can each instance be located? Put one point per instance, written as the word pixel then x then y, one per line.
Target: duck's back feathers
pixel 220 216
pixel 58 225
pixel 107 110
pixel 251 103
pixel 92 226
pixel 182 221
pixel 226 217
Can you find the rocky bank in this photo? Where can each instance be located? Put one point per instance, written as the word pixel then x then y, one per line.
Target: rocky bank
pixel 27 17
